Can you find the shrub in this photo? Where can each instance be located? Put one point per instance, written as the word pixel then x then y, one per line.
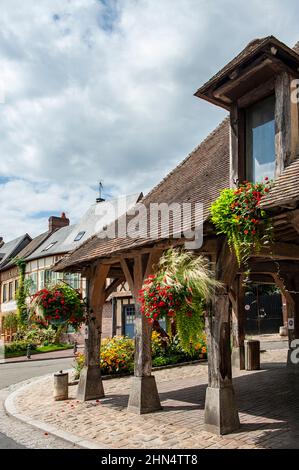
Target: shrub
pixel 18 346
pixel 36 335
pixel 10 321
pixel 117 354
pixel 157 345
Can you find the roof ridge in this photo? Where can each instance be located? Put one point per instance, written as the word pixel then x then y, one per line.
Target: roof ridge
pixel 208 137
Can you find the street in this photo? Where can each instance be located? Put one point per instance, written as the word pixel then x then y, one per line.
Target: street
pixel 12 373
pixel 17 435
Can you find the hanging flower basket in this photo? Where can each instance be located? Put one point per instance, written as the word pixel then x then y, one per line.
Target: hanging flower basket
pixel 58 305
pixel 238 215
pixel 178 292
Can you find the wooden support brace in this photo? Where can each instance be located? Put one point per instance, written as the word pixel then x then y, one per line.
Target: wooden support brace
pixel 90 384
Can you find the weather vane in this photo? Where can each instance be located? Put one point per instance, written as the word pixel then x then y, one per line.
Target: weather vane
pixel 100 199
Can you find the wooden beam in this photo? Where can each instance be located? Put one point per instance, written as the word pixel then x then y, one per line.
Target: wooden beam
pixel 271 267
pixel 234 146
pixel 113 286
pixel 245 75
pixel 256 94
pixel 283 145
pixel 262 278
pixel 280 251
pixel 153 260
pixel 127 273
pixel 294 219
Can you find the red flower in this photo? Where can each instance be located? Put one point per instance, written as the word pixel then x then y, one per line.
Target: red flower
pixel 246 232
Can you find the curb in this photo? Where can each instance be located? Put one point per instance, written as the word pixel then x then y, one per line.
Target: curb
pixel 11 410
pixel 37 360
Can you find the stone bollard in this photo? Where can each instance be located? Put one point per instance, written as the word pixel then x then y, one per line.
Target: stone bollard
pixel 283 331
pixel 252 355
pixel 61 384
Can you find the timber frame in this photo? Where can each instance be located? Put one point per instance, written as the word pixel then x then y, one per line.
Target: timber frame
pixel 265 67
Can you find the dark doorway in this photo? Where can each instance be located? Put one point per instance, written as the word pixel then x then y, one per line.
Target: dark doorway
pixel 263 310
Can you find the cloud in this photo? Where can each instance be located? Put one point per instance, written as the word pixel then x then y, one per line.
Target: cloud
pixel 104 90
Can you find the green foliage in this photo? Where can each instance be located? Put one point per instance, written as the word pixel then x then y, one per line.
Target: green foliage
pixel 237 214
pixel 157 344
pixel 57 305
pixel 19 346
pixel 10 321
pixel 22 292
pixel 36 335
pixel 179 290
pixel 117 354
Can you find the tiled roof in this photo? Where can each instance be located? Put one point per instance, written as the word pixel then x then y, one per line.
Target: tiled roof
pixel 10 249
pixel 96 217
pixel 188 182
pixel 31 247
pixel 286 188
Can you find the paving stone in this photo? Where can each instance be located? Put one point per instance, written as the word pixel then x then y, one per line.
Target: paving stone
pixel 181 424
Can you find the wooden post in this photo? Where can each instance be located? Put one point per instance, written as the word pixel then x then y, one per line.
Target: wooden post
pixel 90 384
pixel 238 324
pixel 144 397
pixel 221 416
pixel 288 282
pixel 286 123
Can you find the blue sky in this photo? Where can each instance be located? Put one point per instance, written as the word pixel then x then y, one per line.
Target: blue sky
pixel 104 90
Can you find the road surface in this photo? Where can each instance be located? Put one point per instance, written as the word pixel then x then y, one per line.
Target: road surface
pixel 17 435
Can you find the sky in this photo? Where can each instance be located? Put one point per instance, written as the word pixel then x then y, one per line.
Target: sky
pixel 103 90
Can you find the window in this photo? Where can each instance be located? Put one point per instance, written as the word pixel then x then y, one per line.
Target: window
pixel 32 283
pixel 260 140
pixel 79 236
pixel 41 283
pixel 49 277
pixel 4 293
pixel 10 291
pixel 49 246
pixel 16 286
pixel 72 280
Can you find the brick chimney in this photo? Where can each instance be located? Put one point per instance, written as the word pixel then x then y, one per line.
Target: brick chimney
pixel 58 222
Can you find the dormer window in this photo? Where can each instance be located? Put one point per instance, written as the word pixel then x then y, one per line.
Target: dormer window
pixel 49 246
pixel 79 236
pixel 257 87
pixel 260 140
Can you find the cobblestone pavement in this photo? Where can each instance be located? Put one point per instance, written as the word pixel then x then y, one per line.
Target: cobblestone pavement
pixel 17 435
pixel 267 403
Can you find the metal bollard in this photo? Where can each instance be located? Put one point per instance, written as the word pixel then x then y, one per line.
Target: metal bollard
pixel 75 347
pixel 28 352
pixel 61 386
